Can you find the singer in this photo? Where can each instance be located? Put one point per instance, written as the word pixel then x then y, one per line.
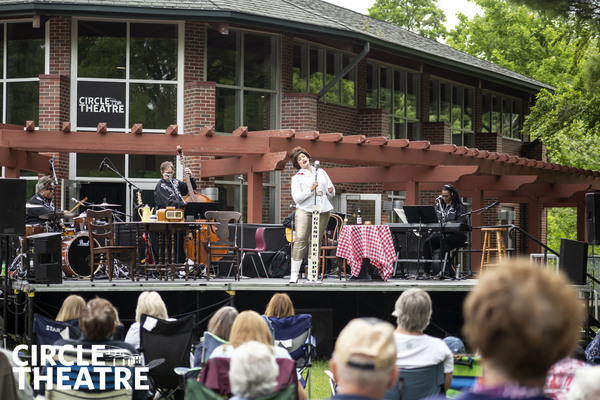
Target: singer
pixel 308 181
pixel 169 191
pixel 449 208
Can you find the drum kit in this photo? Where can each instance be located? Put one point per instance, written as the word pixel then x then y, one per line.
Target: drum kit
pixel 75 239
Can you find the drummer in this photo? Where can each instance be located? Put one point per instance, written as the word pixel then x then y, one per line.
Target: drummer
pixel 43 197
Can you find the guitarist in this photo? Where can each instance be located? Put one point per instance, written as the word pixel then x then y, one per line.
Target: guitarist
pixel 169 191
pixel 307 182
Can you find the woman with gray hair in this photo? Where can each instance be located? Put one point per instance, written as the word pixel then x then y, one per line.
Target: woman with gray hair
pixel 253 371
pixel 414 348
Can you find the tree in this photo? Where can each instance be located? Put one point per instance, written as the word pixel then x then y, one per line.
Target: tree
pixel 418 16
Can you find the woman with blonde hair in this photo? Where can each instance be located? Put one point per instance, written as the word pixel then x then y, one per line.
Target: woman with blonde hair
pixel 71 308
pixel 149 303
pixel 280 306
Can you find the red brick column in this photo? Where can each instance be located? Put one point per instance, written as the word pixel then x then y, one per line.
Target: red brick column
pixel 436 132
pixel 374 122
pixel 199 105
pixel 194 52
pixel 299 111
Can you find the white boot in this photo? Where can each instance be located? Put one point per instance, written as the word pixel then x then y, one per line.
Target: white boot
pixel 294 270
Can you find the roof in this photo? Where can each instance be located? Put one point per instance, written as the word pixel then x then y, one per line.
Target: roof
pixel 309 16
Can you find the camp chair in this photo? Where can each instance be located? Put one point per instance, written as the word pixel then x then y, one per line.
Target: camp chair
pixel 104 384
pixel 48 331
pixel 294 334
pixel 215 375
pixel 197 391
pixel 172 341
pixel 208 344
pixel 417 383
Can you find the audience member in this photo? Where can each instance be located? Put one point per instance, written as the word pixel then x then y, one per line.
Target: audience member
pixel 363 360
pixel 521 319
pixel 253 371
pixel 219 325
pixel 71 308
pixel 456 346
pixel 560 377
pixel 280 306
pixel 414 348
pixel 149 303
pixel 586 384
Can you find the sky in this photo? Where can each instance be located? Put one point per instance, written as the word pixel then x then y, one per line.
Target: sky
pixel 450 8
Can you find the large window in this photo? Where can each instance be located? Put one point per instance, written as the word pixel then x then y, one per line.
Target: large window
pixel 453 103
pixel 22 57
pixel 243 65
pixel 127 74
pixel 501 114
pixel 397 91
pixel 315 67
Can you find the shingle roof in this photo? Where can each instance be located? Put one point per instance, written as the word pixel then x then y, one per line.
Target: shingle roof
pixel 309 15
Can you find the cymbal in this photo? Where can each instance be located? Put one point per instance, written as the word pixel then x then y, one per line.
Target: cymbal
pixel 59 214
pixel 104 204
pixel 27 205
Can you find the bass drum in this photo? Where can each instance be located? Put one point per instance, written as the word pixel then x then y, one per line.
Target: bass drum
pixel 76 256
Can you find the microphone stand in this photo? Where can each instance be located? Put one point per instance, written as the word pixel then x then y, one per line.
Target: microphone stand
pixel 241 179
pixel 470 236
pixel 55 199
pixel 110 166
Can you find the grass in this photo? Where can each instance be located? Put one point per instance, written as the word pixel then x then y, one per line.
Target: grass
pixel 320 383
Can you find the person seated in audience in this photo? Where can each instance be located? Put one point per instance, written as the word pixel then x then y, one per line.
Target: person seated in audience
pixel 363 360
pixel 522 319
pixel 219 325
pixel 586 384
pixel 71 308
pixel 414 348
pixel 560 375
pixel 253 371
pixel 250 325
pixel 280 306
pixel 149 303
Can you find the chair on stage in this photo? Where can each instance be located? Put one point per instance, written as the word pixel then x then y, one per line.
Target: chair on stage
pixel 329 244
pixel 101 230
pixel 294 334
pixel 417 383
pixel 171 341
pixel 224 249
pixel 260 249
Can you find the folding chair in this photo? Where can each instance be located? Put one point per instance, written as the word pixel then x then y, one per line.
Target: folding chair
pixel 225 249
pixel 260 249
pixel 417 383
pixel 215 375
pixel 294 334
pixel 197 391
pixel 171 341
pixel 48 331
pixel 209 343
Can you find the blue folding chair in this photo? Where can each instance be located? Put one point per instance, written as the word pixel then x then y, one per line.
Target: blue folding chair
pixel 294 334
pixel 48 331
pixel 207 345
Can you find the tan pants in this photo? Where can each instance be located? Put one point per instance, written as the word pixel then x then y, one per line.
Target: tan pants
pixel 302 226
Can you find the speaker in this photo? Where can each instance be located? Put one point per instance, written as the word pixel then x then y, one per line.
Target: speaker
pixel 45 261
pixel 573 260
pixel 12 204
pixel 322 329
pixel 592 217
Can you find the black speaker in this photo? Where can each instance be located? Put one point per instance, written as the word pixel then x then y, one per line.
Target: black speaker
pixel 12 204
pixel 592 217
pixel 573 260
pixel 45 261
pixel 322 329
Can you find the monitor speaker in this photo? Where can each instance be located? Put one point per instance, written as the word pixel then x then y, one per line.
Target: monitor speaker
pixel 573 260
pixel 322 329
pixel 592 217
pixel 12 204
pixel 45 261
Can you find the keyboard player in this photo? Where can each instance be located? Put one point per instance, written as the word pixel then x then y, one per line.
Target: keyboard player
pixel 449 208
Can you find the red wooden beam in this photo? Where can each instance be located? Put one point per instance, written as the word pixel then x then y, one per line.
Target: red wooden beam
pixel 444 173
pixel 229 166
pixel 25 160
pixel 492 182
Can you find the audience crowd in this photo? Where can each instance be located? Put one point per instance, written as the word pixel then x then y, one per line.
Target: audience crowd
pixel 523 323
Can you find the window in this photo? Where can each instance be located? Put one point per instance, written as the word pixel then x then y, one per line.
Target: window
pixel 501 114
pixel 314 67
pixel 243 65
pixel 22 59
pixel 397 91
pixel 453 103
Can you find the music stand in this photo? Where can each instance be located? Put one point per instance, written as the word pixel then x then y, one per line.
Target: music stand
pixel 420 214
pixel 197 210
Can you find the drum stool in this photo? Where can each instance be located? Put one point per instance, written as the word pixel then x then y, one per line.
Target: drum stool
pixel 487 249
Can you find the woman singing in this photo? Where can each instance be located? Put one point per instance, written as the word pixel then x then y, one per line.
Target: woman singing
pixel 307 182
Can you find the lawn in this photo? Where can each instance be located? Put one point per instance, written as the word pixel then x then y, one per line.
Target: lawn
pixel 320 383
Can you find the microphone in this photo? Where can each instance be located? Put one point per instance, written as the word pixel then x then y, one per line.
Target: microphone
pixel 52 163
pixel 438 198
pixel 241 178
pixel 317 164
pixel 101 167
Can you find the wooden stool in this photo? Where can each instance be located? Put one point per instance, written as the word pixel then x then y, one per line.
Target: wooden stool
pixel 487 246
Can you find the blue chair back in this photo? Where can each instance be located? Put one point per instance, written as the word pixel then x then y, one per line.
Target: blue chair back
pixel 46 330
pixel 293 333
pixel 417 383
pixel 204 349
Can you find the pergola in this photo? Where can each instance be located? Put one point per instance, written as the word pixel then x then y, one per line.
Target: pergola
pixel 412 166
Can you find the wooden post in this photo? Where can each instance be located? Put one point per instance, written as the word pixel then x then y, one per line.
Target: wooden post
pixel 255 189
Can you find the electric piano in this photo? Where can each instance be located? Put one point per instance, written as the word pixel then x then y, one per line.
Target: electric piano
pixel 444 228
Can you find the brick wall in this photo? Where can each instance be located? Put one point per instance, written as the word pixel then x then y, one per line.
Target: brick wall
pixel 194 51
pixel 489 141
pixel 436 132
pixel 199 105
pixel 374 122
pixel 299 111
pixel 336 118
pixel 512 147
pixel 53 101
pixel 60 45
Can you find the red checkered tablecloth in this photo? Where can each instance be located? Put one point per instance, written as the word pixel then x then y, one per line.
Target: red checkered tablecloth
pixel 367 241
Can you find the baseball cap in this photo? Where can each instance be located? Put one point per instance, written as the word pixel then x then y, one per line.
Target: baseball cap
pixel 455 344
pixel 366 343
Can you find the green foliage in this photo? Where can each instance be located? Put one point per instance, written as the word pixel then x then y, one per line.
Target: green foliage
pixel 562 223
pixel 418 16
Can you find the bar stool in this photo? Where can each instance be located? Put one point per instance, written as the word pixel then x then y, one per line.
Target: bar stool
pixel 487 249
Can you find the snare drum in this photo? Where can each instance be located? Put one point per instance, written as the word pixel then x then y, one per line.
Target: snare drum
pixel 34 229
pixel 76 255
pixel 80 221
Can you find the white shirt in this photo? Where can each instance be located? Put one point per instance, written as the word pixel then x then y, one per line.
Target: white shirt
pixel 416 351
pixel 227 351
pixel 304 198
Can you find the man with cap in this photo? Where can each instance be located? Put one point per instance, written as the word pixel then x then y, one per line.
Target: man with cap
pixel 363 360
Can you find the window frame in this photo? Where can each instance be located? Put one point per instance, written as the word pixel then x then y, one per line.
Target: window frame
pixel 460 135
pixel 512 132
